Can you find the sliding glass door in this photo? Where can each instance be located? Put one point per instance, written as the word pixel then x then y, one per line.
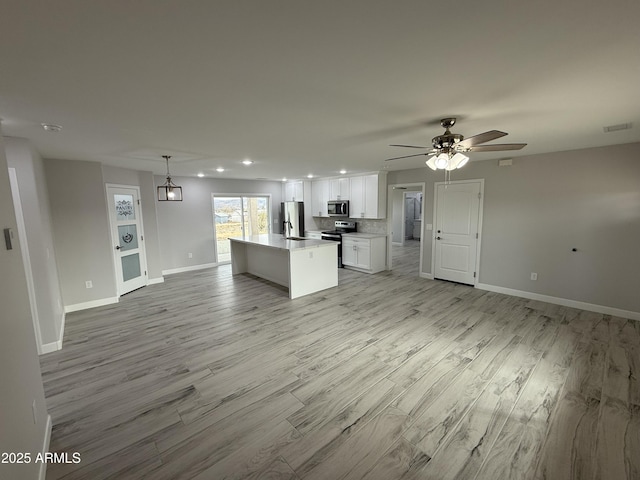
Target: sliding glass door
pixel 234 216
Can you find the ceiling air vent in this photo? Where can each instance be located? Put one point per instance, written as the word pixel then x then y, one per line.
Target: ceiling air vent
pixel 615 128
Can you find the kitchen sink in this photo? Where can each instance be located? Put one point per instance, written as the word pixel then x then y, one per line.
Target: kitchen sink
pixel 296 238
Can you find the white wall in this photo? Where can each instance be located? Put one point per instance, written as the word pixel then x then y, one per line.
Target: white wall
pixel 37 218
pixel 19 368
pixel 187 226
pixel 540 208
pixel 81 230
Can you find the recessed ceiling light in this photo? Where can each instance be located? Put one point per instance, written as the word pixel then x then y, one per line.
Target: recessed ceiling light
pixel 201 174
pixel 284 179
pixel 310 176
pixel 246 161
pixel 220 169
pixel 51 127
pixel 343 171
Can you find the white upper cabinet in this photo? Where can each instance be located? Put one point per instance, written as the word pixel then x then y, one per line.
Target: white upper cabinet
pixel 339 189
pixel 294 192
pixel 319 198
pixel 368 196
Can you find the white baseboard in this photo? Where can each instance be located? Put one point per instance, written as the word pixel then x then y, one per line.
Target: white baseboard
pixel 57 345
pixel 616 312
pixel 45 448
pixel 426 275
pixel 153 281
pixel 189 269
pixel 94 303
pixel 49 347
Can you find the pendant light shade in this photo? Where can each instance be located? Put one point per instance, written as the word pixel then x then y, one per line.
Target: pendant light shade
pixel 169 191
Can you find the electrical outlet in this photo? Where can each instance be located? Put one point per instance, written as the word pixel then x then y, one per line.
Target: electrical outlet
pixel 190 255
pixel 310 254
pixel 88 284
pixel 534 276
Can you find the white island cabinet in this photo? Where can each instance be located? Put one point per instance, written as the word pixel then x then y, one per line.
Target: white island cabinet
pixel 303 266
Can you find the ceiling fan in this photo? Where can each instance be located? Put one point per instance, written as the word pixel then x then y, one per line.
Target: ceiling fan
pixel 448 149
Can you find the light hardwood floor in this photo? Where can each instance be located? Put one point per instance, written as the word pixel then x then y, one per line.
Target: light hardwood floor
pixel 389 376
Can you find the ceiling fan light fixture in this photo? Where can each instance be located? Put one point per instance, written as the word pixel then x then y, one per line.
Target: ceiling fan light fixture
pixel 458 160
pixel 431 163
pixel 442 161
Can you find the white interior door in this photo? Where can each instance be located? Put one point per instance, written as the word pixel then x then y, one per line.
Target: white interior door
pixel 127 238
pixel 458 207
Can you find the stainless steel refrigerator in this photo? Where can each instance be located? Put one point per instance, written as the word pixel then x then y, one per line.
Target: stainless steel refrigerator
pixel 292 219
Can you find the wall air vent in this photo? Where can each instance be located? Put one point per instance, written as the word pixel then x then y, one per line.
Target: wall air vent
pixel 615 128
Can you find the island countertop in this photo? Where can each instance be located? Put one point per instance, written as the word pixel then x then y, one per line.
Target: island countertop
pixel 303 266
pixel 280 242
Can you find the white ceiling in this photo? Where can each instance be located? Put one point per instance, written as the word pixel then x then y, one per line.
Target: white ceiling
pixel 312 87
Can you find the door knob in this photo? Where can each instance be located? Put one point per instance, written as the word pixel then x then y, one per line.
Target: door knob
pixel 438 238
pixel 117 247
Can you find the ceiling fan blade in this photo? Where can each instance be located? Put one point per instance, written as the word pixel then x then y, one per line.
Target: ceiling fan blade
pixel 408 146
pixel 408 156
pixel 498 147
pixel 481 138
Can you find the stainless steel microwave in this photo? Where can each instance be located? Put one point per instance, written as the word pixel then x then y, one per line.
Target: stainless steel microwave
pixel 338 208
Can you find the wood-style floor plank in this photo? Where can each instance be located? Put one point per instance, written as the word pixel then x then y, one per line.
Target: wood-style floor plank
pixel 390 376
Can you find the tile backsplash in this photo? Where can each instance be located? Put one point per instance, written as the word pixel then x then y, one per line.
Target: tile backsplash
pixel 364 225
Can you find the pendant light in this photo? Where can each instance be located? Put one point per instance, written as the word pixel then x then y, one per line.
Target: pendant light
pixel 169 191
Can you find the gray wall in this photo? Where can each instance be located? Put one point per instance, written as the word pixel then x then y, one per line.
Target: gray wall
pixel 187 226
pixel 37 218
pixel 144 180
pixel 537 210
pixel 19 368
pixel 398 219
pixel 80 230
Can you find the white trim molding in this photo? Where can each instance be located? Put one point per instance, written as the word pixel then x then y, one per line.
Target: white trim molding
pixel 45 448
pixel 617 312
pixel 92 304
pixel 154 281
pixel 428 276
pixel 57 345
pixel 171 271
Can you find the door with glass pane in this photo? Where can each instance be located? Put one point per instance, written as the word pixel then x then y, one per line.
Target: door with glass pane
pixel 238 215
pixel 127 238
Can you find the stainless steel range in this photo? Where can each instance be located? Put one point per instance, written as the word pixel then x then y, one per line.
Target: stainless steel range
pixel 341 227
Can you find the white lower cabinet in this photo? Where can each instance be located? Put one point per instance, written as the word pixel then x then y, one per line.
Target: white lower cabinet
pixel 364 254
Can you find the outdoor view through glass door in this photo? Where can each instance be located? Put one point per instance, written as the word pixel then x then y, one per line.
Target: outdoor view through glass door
pixel 234 216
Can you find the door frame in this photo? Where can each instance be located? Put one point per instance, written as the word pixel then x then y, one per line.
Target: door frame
pixel 476 280
pixel 391 213
pixel 141 243
pixel 241 196
pixel 26 258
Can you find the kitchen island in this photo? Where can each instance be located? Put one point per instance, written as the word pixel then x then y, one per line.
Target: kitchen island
pixel 303 266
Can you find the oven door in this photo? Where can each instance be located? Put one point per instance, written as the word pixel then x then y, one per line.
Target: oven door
pixel 338 208
pixel 335 238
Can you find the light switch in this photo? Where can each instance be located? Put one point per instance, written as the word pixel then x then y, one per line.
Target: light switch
pixel 8 238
